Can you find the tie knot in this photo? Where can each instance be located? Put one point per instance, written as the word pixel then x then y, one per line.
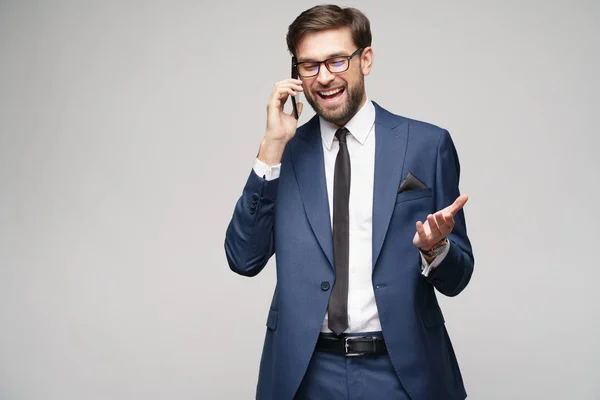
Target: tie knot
pixel 340 134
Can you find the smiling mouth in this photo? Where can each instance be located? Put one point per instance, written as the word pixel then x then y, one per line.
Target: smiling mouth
pixel 331 94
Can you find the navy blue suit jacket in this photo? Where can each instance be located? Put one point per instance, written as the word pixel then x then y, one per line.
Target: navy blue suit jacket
pixel 289 217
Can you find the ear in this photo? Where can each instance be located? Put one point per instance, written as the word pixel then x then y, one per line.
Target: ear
pixel 366 60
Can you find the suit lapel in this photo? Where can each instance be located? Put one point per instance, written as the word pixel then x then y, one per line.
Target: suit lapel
pixel 307 158
pixel 390 146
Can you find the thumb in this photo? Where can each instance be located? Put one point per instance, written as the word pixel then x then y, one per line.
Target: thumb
pixel 299 106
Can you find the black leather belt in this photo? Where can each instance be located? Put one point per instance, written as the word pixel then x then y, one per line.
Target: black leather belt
pixel 352 345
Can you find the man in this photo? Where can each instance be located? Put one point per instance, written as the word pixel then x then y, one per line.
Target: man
pixel 362 211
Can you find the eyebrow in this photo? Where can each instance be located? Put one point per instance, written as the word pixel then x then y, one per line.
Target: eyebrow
pixel 332 55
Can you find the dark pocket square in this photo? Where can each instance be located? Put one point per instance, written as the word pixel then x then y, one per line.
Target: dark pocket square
pixel 411 182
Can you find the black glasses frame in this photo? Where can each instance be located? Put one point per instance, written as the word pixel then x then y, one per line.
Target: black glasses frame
pixel 295 65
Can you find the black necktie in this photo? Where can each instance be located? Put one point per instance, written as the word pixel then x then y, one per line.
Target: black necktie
pixel 338 302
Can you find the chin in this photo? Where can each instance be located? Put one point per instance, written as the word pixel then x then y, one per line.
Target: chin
pixel 335 119
pixel 338 117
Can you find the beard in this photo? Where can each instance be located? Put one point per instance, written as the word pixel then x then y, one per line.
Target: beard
pixel 346 111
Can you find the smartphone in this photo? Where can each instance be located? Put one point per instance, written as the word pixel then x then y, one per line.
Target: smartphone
pixel 294 76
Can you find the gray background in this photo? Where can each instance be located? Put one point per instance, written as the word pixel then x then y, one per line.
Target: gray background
pixel 127 130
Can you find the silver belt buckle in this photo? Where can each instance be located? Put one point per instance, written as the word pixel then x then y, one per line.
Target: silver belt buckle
pixel 347 346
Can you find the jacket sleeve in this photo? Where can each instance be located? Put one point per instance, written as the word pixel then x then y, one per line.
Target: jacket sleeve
pixel 454 272
pixel 249 236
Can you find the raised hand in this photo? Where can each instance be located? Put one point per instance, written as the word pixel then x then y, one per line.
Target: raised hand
pixel 438 225
pixel 281 126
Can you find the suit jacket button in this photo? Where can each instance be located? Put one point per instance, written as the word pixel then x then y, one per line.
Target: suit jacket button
pixel 324 286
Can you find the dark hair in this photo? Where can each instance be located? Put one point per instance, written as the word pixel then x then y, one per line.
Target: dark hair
pixel 323 17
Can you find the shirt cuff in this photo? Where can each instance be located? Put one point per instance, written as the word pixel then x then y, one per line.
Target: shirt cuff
pixel 264 171
pixel 426 267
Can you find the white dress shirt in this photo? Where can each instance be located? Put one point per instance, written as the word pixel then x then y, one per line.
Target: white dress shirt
pixel 362 308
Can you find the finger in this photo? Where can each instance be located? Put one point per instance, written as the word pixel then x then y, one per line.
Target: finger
pixel 291 85
pixel 449 219
pixel 457 205
pixel 281 96
pixel 441 223
pixel 276 102
pixel 290 80
pixel 287 90
pixel 421 232
pixel 433 226
pixel 279 88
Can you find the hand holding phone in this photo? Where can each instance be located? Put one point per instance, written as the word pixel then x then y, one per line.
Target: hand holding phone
pixel 281 125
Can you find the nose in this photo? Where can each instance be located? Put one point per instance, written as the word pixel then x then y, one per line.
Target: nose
pixel 324 77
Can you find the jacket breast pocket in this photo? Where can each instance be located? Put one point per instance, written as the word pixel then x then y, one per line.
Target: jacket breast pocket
pixel 272 319
pixel 413 195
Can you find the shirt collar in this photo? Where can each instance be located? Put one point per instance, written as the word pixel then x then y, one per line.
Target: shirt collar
pixel 359 126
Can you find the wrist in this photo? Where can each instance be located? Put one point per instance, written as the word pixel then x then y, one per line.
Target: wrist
pixel 271 151
pixel 435 250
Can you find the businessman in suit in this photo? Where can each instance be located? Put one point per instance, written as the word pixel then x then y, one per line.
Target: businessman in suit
pixel 362 211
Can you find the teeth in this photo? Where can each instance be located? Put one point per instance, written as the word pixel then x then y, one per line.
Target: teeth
pixel 331 92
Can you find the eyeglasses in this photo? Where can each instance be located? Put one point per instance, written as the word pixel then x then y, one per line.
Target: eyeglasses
pixel 334 65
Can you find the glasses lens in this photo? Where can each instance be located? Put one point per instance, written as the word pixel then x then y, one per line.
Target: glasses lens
pixel 308 69
pixel 338 64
